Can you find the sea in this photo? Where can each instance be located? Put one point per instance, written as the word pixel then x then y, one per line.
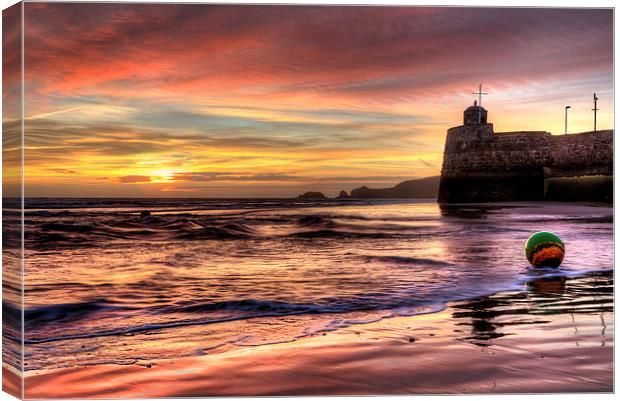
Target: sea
pixel 105 282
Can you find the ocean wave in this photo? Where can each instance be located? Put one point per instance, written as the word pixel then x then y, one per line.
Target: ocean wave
pixel 261 309
pixel 70 312
pixel 11 314
pixel 208 313
pixel 150 229
pixel 406 260
pixel 69 228
pixel 248 305
pixel 46 213
pixel 71 231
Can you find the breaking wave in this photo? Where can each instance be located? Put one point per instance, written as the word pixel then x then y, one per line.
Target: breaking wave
pixel 88 230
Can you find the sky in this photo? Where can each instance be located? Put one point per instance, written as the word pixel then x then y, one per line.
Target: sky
pixel 272 101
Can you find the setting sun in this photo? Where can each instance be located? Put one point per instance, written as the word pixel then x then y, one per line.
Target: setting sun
pixel 162 175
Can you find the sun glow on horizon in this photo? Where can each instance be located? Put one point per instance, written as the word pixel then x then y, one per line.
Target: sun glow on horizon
pixel 158 176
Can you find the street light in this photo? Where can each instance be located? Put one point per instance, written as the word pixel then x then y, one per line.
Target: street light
pixel 566 119
pixel 595 109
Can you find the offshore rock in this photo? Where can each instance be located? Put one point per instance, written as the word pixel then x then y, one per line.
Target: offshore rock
pixel 312 195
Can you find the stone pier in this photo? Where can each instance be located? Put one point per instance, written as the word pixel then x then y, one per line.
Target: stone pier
pixel 481 165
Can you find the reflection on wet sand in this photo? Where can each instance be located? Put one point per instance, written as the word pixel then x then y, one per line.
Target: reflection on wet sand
pixel 493 316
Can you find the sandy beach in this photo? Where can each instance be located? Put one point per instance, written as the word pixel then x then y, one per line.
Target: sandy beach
pixel 554 336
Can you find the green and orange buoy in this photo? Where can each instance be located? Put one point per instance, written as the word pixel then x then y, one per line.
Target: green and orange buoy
pixel 544 249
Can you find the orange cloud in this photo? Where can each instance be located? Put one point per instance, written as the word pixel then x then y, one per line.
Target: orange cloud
pixel 134 179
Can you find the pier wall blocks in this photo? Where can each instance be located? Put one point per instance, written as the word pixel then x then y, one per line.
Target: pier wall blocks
pixel 480 165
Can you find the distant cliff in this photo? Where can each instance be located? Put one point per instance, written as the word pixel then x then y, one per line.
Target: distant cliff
pixel 422 188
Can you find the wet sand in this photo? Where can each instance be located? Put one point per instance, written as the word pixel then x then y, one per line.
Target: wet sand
pixel 554 336
pixel 11 380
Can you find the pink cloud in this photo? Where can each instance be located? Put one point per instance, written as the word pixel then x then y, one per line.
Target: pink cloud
pixel 277 51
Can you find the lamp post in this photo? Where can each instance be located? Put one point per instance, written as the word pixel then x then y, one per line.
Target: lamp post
pixel 595 109
pixel 566 119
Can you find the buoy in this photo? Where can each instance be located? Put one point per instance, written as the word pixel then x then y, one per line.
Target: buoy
pixel 544 249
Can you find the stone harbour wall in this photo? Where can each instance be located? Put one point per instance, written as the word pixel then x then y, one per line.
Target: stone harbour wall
pixel 482 166
pixel 587 153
